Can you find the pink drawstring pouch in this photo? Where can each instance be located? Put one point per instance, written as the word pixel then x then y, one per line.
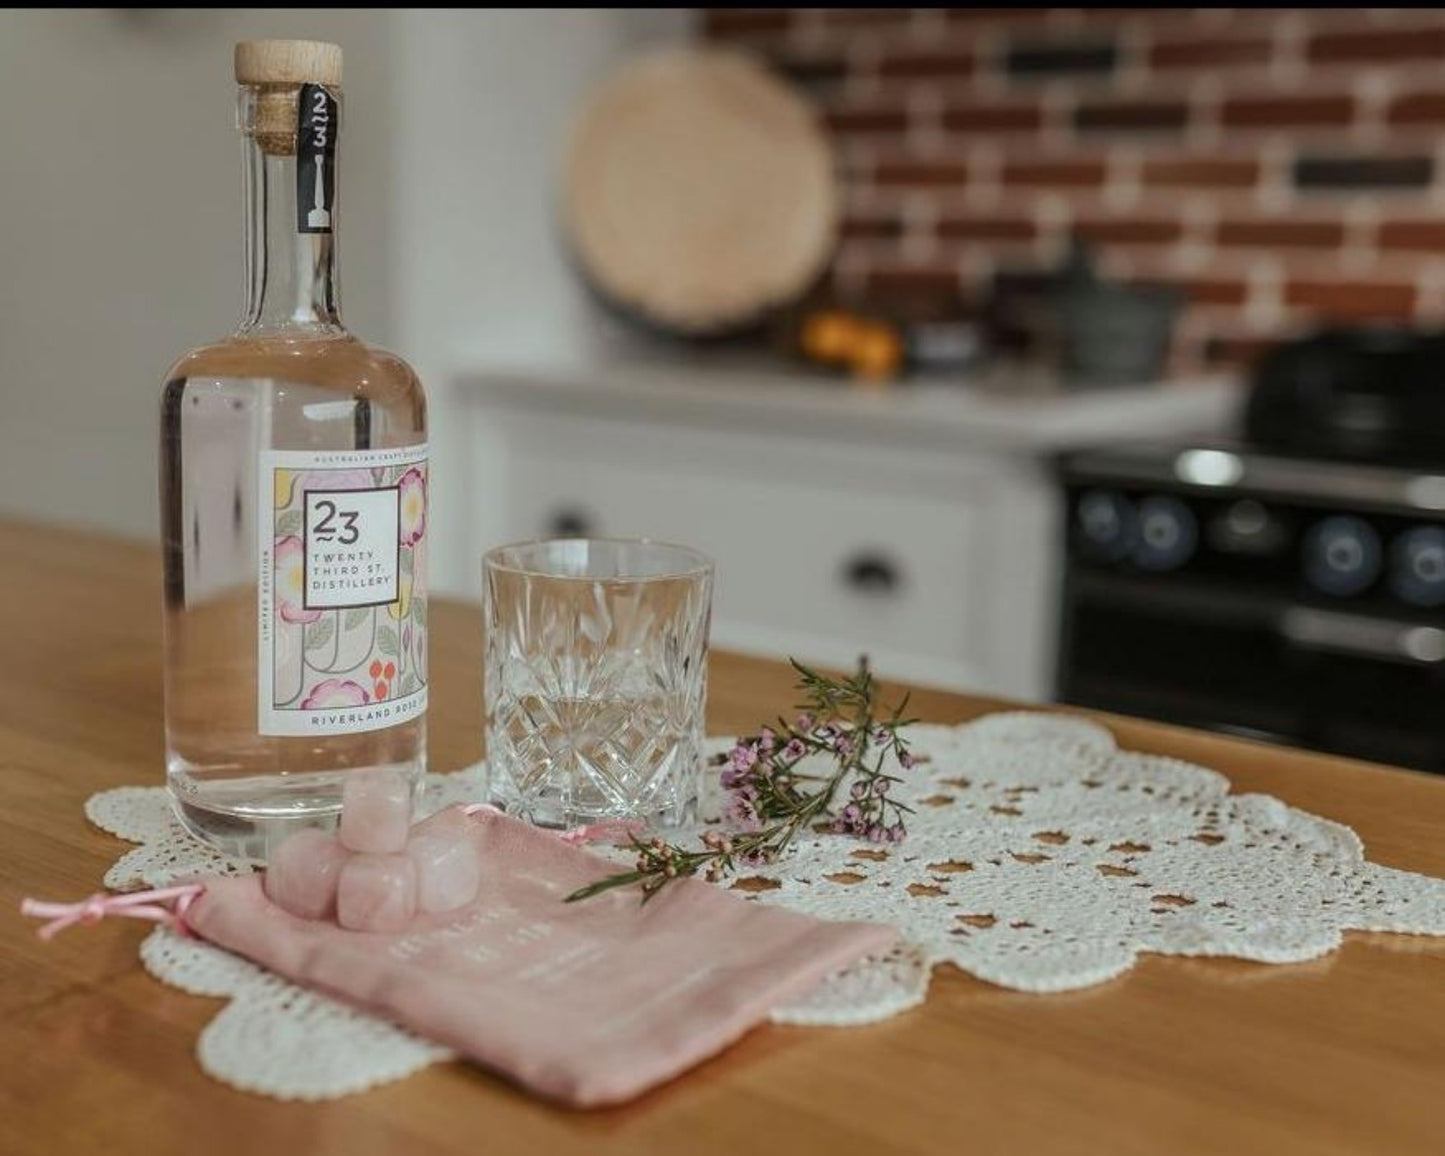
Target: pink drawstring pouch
pixel 585 1003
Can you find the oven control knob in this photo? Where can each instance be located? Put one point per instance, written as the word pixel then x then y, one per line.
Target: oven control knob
pixel 1417 566
pixel 1104 525
pixel 1247 527
pixel 1168 533
pixel 1342 555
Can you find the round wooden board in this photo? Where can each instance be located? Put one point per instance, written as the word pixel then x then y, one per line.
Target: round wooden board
pixel 700 191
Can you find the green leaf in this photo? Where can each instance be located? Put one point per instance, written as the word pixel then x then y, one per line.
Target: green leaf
pixel 407 562
pixel 418 612
pixel 386 641
pixel 356 616
pixel 320 634
pixel 289 523
pixel 409 683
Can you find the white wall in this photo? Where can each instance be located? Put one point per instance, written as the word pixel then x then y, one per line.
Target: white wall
pixel 485 102
pixel 120 232
pixel 120 219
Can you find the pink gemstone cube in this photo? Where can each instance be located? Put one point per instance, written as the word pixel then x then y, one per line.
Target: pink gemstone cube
pixel 303 872
pixel 448 871
pixel 376 811
pixel 376 893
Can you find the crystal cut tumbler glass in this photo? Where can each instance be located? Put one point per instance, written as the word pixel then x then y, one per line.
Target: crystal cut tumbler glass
pixel 596 679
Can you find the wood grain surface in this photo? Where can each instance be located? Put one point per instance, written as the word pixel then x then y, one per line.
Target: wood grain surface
pixel 1342 1055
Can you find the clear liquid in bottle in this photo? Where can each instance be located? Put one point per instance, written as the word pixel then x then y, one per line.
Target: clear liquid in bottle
pixel 236 787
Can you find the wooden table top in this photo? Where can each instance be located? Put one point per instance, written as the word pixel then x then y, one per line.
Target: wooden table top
pixel 1343 1054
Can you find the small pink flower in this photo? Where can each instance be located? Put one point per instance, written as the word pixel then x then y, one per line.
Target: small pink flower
pixel 740 811
pixel 291 581
pixel 335 692
pixel 413 506
pixel 744 756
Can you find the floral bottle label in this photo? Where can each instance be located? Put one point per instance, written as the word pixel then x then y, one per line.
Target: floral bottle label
pixel 342 591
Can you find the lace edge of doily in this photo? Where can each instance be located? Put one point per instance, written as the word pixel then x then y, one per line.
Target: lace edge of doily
pixel 245 991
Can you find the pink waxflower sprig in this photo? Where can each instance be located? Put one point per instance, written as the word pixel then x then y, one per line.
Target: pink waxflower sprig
pixel 828 770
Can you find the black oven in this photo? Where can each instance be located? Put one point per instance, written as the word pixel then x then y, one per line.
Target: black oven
pixel 1284 598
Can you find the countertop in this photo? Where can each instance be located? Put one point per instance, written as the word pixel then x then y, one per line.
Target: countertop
pixel 1004 409
pixel 1345 1054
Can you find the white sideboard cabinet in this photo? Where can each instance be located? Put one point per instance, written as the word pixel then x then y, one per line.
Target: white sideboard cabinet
pixel 920 525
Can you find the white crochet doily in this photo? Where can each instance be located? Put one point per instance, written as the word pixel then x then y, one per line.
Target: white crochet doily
pixel 1040 857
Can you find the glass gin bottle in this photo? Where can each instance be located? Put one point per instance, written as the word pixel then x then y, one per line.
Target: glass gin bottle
pixel 293 506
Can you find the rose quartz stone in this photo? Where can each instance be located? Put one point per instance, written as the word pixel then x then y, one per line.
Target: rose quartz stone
pixel 448 872
pixel 376 893
pixel 376 811
pixel 302 874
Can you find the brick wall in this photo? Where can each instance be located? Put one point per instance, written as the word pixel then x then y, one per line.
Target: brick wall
pixel 1282 166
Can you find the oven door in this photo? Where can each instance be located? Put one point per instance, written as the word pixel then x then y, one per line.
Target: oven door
pixel 1257 665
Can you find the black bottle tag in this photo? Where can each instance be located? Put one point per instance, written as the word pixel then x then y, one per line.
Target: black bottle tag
pixel 316 126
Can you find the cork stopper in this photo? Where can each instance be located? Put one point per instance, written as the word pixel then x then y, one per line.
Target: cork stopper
pixel 278 68
pixel 266 62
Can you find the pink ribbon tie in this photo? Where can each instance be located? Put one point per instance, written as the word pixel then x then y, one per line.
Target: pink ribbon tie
pixel 166 906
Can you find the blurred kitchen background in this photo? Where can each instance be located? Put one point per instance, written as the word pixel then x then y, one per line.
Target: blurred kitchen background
pixel 1081 354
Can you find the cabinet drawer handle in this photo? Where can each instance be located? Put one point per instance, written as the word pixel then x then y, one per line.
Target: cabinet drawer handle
pixel 872 573
pixel 569 522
